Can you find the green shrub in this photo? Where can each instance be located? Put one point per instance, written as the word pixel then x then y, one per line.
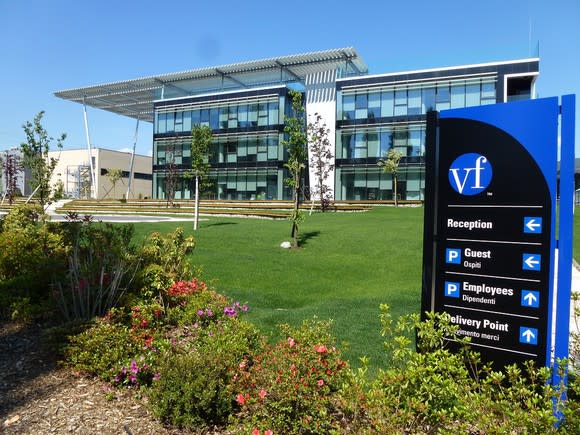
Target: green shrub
pixel 31 255
pixel 437 390
pixel 292 386
pixel 163 261
pixel 101 266
pixel 102 350
pixel 194 385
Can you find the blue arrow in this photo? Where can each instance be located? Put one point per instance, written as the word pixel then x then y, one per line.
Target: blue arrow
pixel 532 224
pixel 530 298
pixel 528 335
pixel 531 261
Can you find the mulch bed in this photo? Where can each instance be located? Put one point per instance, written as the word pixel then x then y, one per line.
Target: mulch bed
pixel 39 397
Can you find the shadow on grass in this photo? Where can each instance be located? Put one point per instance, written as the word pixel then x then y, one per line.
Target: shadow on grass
pixel 305 237
pixel 218 224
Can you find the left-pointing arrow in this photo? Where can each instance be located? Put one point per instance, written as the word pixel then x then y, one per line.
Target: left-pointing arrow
pixel 532 225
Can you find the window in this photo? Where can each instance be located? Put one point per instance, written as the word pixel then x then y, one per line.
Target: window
pixel 178 121
pixel 387 101
pixel 187 120
pixel 414 102
pixel 161 126
pixel 428 99
pixel 373 144
pixel 243 116
pixel 457 95
pixel 488 93
pixel 400 102
pixel 262 114
pixel 472 95
pixel 170 122
pixel 442 97
pixel 374 110
pixel 253 115
pixel 223 117
pixel 360 104
pixel 273 115
pixel 348 107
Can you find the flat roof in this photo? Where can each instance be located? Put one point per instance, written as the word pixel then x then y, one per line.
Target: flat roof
pixel 134 98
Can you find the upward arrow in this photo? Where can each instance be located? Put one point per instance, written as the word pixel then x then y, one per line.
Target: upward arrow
pixel 530 298
pixel 528 335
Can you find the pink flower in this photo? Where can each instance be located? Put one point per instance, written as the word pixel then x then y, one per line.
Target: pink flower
pixel 291 342
pixel 241 399
pixel 321 348
pixel 256 431
pixel 320 382
pixel 269 432
pixel 262 394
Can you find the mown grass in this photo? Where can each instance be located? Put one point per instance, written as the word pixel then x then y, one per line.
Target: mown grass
pixel 349 263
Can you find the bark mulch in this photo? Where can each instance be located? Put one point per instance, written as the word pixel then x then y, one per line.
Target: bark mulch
pixel 39 397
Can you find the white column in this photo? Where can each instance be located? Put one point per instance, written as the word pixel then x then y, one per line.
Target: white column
pixel 321 99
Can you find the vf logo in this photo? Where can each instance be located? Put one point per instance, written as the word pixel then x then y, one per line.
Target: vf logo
pixel 470 174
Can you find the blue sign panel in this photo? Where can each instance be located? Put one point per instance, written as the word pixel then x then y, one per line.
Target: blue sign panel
pixel 489 242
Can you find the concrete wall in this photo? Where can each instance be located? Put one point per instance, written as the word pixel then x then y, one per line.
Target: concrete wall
pixel 73 171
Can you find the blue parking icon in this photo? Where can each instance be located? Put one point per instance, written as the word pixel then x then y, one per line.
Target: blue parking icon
pixel 453 256
pixel 452 289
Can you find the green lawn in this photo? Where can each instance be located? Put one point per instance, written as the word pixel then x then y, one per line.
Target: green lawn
pixel 348 265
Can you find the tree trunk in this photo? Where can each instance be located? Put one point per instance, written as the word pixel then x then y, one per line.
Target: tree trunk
pixel 196 208
pixel 395 183
pixel 296 208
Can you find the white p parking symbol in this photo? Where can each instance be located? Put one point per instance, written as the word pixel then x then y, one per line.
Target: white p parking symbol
pixel 453 256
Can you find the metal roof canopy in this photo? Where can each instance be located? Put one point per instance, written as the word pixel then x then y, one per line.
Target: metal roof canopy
pixel 134 98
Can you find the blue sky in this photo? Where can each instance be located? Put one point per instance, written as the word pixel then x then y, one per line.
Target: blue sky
pixel 48 46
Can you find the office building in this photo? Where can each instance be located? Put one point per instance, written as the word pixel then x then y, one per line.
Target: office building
pixel 245 105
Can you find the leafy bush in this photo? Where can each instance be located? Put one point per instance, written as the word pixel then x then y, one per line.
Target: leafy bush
pixel 292 386
pixel 163 262
pixel 102 350
pixel 194 386
pixel 101 265
pixel 437 390
pixel 31 254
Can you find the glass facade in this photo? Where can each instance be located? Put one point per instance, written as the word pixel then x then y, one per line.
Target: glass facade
pixel 246 155
pixel 414 99
pixel 219 116
pixel 373 118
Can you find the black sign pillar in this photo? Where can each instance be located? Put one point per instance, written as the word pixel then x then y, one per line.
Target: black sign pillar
pixel 489 227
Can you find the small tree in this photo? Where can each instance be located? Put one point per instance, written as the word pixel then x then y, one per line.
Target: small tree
pixel 11 170
pixel 170 173
pixel 390 165
pixel 35 157
pixel 114 175
pixel 320 160
pixel 295 128
pixel 201 139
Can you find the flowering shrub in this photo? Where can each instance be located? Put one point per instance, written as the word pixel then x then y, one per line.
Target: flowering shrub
pixel 201 307
pixel 136 374
pixel 194 386
pixel 101 349
pixel 291 386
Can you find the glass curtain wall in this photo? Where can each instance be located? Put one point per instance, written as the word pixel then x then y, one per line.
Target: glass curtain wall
pixel 414 99
pixel 246 156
